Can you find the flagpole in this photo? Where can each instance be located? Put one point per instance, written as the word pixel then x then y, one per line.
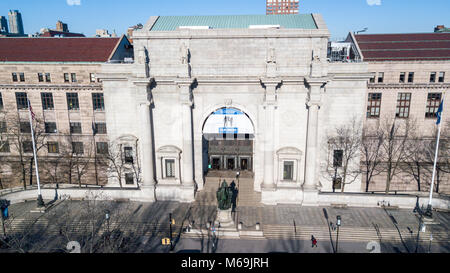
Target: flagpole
pixel 40 201
pixel 429 207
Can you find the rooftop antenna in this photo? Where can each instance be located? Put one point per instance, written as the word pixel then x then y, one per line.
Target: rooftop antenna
pixel 361 31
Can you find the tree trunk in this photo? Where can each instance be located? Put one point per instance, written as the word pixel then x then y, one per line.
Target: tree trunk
pixel 388 180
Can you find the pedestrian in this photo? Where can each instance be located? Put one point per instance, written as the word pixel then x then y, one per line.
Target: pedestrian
pixel 313 241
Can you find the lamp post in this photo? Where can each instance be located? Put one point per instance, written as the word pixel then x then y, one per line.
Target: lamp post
pixel 107 216
pixel 338 224
pixel 170 230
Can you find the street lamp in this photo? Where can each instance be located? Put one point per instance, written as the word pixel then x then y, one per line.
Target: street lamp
pixel 338 224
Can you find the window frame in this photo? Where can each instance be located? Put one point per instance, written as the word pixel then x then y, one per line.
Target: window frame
pixel 441 79
pixel 54 145
pixel 78 148
pixel 73 98
pixel 433 77
pixel 374 103
pixel 338 158
pixel 27 144
pixel 102 148
pixel 402 77
pixel 380 77
pixel 98 102
pixel 66 77
pixel 40 77
pixel 100 125
pixel 15 78
pixel 128 155
pixel 170 162
pixel 22 77
pixel 410 77
pixel 73 77
pixel 129 176
pixel 22 102
pixel 5 147
pixel 47 101
pixel 1 102
pixel 403 108
pixel 433 102
pixel 291 164
pixel 47 77
pixel 51 127
pixel 72 126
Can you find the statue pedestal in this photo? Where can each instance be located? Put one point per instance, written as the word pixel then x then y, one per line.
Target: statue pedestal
pixel 225 226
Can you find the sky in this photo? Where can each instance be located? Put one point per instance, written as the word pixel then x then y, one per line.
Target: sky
pixel 341 16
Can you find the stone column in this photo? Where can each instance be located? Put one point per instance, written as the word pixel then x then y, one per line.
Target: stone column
pixel 270 102
pixel 146 146
pixel 187 154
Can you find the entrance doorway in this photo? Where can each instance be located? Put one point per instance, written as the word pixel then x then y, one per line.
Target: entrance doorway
pixel 230 164
pixel 244 164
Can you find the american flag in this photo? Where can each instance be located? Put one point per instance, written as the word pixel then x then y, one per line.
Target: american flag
pixel 33 116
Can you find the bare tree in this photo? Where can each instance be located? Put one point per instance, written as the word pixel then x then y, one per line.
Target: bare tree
pixel 372 140
pixel 345 144
pixel 395 135
pixel 416 164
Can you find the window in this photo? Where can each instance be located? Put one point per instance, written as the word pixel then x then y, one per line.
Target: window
pixel 27 147
pixel 47 101
pixel 102 148
pixel 411 77
pixel 374 105
pixel 74 77
pixel 22 77
pixel 25 127
pixel 97 102
pixel 170 167
pixel 40 77
pixel 129 179
pixel 380 77
pixel 77 148
pixel 288 170
pixel 1 102
pixel 433 77
pixel 53 147
pixel 21 100
pixel 338 155
pixel 403 103
pixel 100 128
pixel 402 77
pixel 128 154
pixel 66 77
pixel 72 101
pixel 372 79
pixel 75 128
pixel 3 127
pixel 14 77
pixel 92 77
pixel 434 99
pixel 4 146
pixel 441 76
pixel 47 77
pixel 50 128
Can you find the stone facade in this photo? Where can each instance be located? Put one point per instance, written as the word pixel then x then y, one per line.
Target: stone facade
pixel 278 77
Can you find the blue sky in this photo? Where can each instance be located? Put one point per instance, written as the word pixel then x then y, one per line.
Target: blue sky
pixel 341 16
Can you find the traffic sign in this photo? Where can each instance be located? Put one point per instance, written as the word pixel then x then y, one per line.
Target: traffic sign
pixel 165 241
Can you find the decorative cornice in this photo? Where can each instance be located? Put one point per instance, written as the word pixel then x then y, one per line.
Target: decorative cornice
pixel 51 87
pixel 408 85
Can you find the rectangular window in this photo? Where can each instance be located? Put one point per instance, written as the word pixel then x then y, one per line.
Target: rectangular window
pixel 47 77
pixel 129 179
pixel 75 128
pixel 411 77
pixel 98 102
pixel 25 127
pixel 21 100
pixel 372 79
pixel 288 170
pixel 102 148
pixel 14 77
pixel 434 99
pixel 4 146
pixel 66 77
pixel 92 77
pixel 77 148
pixel 40 77
pixel 403 104
pixel 338 155
pixel 53 147
pixel 22 77
pixel 100 128
pixel 1 102
pixel 50 128
pixel 433 77
pixel 380 77
pixel 441 76
pixel 170 168
pixel 128 151
pixel 27 147
pixel 374 105
pixel 402 77
pixel 47 101
pixel 3 127
pixel 72 101
pixel 74 77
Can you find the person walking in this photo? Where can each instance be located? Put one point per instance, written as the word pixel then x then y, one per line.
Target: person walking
pixel 313 241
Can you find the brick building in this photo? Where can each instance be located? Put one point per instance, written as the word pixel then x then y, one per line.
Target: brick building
pixel 58 76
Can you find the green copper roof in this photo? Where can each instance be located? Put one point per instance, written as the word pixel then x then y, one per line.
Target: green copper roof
pixel 169 23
